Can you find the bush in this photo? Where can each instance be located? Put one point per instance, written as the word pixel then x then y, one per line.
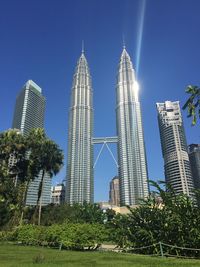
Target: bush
pixel 30 235
pixel 71 236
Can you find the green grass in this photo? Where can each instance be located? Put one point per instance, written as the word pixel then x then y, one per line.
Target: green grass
pixel 15 255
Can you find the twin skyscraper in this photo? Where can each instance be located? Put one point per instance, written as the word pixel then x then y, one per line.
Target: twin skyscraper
pixel 181 169
pixel 132 166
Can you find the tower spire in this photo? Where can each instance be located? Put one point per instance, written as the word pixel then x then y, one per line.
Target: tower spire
pixel 82 47
pixel 123 41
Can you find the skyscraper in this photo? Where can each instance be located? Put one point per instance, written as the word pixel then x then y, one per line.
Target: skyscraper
pixel 131 149
pixel 194 156
pixel 174 147
pixel 114 198
pixel 80 175
pixel 29 113
pixel 29 108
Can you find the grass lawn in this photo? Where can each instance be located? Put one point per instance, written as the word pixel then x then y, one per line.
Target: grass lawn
pixel 14 255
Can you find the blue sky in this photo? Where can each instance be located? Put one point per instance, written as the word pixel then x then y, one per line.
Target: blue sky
pixel 41 40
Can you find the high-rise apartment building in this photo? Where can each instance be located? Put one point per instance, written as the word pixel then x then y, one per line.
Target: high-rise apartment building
pixel 29 114
pixel 80 178
pixel 114 198
pixel 133 175
pixel 174 147
pixel 194 156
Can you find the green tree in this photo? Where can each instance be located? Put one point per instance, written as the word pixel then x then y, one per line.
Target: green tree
pixel 21 161
pixel 174 221
pixel 48 159
pixel 13 166
pixel 193 103
pixel 77 213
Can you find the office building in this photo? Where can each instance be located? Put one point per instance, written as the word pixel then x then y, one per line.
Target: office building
pixel 80 177
pixel 194 156
pixel 29 114
pixel 174 147
pixel 133 177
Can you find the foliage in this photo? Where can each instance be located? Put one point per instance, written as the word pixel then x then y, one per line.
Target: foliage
pixel 47 157
pixel 21 160
pixel 77 213
pixel 193 103
pixel 176 221
pixel 13 167
pixel 77 236
pixel 119 230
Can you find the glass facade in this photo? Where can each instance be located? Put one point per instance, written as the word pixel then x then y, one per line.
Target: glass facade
pixel 80 177
pixel 29 113
pixel 194 156
pixel 174 147
pixel 133 175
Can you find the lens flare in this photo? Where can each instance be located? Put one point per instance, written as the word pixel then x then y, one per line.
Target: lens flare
pixel 140 32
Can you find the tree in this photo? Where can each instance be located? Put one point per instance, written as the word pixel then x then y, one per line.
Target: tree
pixel 193 103
pixel 46 157
pixel 175 221
pixel 77 213
pixel 21 161
pixel 13 166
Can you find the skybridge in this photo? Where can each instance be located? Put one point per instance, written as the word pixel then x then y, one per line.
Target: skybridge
pixel 105 141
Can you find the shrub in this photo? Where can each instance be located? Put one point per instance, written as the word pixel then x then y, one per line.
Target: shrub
pixel 70 235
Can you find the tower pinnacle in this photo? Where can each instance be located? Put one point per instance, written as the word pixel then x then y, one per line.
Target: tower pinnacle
pixel 82 51
pixel 124 43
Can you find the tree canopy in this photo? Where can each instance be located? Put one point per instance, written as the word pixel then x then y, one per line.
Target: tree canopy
pixel 193 102
pixel 21 160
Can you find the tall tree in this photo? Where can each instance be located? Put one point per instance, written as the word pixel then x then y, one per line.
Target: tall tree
pixel 13 166
pixel 47 157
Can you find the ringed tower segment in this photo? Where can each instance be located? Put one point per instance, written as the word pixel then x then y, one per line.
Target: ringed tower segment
pixel 131 149
pixel 80 177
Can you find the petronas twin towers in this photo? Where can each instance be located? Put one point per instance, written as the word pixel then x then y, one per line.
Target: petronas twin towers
pixel 131 149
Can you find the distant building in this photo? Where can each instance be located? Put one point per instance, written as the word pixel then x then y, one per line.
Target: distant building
pixel 58 194
pixel 174 148
pixel 29 114
pixel 114 197
pixel 194 156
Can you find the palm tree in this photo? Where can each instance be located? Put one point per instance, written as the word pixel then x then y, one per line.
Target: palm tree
pixel 50 160
pixel 44 157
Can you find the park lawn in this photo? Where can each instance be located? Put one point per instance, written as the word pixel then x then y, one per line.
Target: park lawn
pixel 15 255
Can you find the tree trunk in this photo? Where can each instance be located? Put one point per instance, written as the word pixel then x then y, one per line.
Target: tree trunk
pixel 24 202
pixel 40 199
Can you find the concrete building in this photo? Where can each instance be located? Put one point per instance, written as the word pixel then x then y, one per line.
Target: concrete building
pixel 58 194
pixel 29 114
pixel 174 147
pixel 132 163
pixel 80 176
pixel 194 156
pixel 114 197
